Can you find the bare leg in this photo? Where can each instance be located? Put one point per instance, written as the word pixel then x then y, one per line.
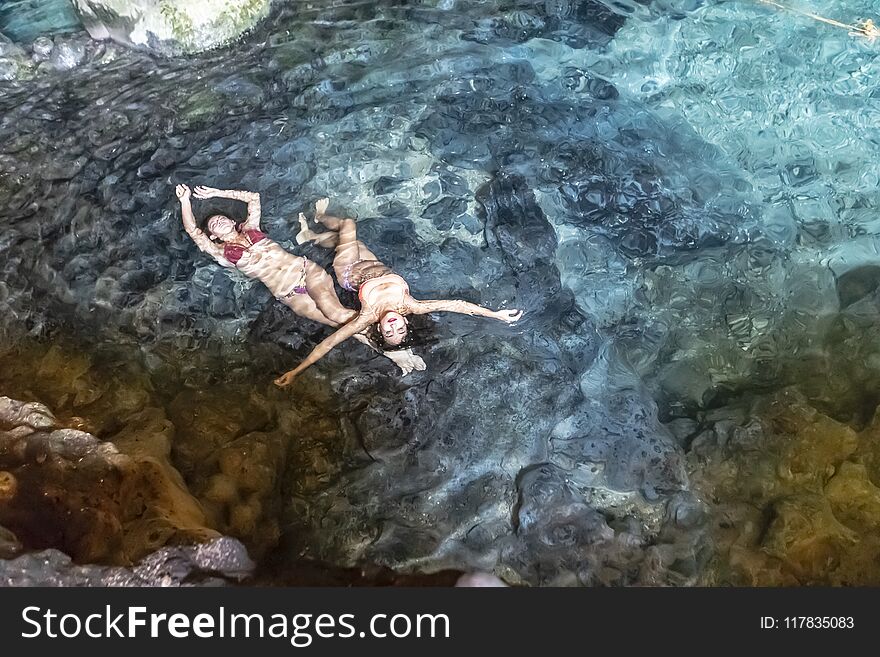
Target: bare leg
pixel 345 228
pixel 333 223
pixel 347 245
pixel 320 289
pixel 365 253
pixel 327 240
pixel 304 305
pixel 348 250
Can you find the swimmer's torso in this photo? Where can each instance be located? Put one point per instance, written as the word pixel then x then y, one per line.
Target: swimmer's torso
pixel 388 291
pixel 269 263
pixel 364 270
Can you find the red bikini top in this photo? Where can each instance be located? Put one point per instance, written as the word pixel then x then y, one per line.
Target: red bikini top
pixel 233 252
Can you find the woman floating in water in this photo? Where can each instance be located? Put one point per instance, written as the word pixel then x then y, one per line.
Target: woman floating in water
pixel 295 281
pixel 384 296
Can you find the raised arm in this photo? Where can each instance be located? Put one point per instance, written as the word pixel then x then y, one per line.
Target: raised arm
pixel 464 307
pixel 189 224
pixel 355 326
pixel 251 198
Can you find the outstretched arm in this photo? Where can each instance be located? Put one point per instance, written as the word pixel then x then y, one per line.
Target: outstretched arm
pixel 355 326
pixel 189 224
pixel 251 198
pixel 464 307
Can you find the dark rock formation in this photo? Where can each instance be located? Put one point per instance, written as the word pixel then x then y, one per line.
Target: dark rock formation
pixel 62 488
pixel 218 562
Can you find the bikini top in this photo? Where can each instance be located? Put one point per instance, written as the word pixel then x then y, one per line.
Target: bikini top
pixel 370 286
pixel 234 252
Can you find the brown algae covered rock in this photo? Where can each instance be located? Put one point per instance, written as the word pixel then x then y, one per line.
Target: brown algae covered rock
pixel 792 494
pixel 66 489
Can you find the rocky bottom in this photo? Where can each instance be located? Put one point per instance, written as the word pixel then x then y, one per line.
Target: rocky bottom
pixel 781 494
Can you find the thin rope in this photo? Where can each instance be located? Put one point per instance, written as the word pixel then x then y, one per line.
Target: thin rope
pixel 866 28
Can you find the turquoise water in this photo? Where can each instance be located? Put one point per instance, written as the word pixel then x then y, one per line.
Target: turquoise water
pixel 682 196
pixel 788 104
pixel 25 20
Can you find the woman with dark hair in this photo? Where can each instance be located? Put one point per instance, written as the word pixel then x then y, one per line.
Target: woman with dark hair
pixel 384 295
pixel 297 282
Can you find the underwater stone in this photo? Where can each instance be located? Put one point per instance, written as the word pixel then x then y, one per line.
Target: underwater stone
pixel 805 534
pixel 171 26
pixel 444 212
pixel 248 500
pixel 386 185
pixel 854 499
pixel 14 414
pixel 479 580
pixel 67 55
pixel 65 489
pixel 10 546
pixel 790 493
pixel 63 170
pixel 8 69
pixel 8 48
pixel 42 48
pixel 218 562
pixel 857 283
pixel 579 22
pixel 14 62
pixel 471 224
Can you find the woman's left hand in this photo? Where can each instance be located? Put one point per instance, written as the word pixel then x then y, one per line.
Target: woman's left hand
pixel 509 316
pixel 205 192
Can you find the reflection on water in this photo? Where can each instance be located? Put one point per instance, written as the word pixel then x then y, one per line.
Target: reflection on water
pixel 709 181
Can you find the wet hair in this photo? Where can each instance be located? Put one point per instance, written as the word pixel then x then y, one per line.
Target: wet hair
pixel 374 335
pixel 416 334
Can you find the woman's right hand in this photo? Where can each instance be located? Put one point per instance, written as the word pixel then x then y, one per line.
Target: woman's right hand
pixel 203 192
pixel 183 192
pixel 509 316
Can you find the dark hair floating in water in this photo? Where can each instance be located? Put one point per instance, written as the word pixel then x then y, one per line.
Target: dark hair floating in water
pixel 419 334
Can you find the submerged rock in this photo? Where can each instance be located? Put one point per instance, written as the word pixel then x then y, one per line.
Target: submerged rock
pixel 14 62
pixel 10 546
pixel 41 48
pixel 63 488
pixel 217 562
pixel 67 55
pixel 793 495
pixel 171 26
pixel 479 580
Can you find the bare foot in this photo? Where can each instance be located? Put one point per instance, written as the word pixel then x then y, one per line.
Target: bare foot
pixel 305 234
pixel 321 207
